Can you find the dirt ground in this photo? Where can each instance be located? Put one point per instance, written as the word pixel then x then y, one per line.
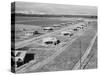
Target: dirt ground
pixel 67 59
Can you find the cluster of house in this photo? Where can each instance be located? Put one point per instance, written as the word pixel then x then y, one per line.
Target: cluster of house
pixel 45 29
pixel 36 32
pixel 49 40
pixel 21 56
pixel 67 33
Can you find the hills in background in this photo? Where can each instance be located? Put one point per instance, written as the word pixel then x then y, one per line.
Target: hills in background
pixel 54 9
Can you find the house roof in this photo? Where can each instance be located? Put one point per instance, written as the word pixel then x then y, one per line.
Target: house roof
pixel 49 39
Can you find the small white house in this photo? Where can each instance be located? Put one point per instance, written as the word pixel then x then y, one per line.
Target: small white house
pixel 49 40
pixel 47 28
pixel 63 23
pixel 66 33
pixel 56 25
pixel 28 33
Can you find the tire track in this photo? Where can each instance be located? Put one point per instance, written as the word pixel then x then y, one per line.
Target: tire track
pixel 85 55
pixel 32 67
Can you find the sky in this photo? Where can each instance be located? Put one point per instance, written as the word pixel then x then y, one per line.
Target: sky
pixel 55 9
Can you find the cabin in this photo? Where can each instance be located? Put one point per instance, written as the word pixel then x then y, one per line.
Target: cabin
pixel 48 29
pixel 31 33
pixel 50 41
pixel 56 25
pixel 28 33
pixel 67 33
pixel 64 23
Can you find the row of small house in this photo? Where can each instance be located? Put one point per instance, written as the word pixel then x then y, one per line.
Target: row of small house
pixel 23 57
pixel 68 33
pixel 48 28
pixel 43 30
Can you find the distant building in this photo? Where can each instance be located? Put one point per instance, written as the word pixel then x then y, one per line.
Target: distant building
pixel 47 28
pixel 67 33
pixel 56 25
pixel 50 40
pixel 63 24
pixel 31 33
pixel 28 33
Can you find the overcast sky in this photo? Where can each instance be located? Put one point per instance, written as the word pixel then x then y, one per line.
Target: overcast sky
pixel 43 8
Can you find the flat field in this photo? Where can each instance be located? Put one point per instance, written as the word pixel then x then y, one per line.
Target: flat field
pixel 71 55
